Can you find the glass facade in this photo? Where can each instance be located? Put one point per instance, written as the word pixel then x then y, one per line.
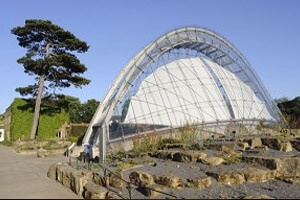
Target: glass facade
pixel 189 75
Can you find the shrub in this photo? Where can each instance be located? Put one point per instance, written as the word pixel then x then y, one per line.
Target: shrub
pixel 78 130
pixel 149 143
pixel 73 139
pixel 188 133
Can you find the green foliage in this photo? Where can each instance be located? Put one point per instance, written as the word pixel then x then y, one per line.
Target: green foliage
pixel 195 146
pixel 291 112
pixel 162 142
pixel 78 131
pixel 61 68
pixel 188 133
pixel 281 100
pixel 79 112
pixel 190 185
pixel 6 143
pixel 73 139
pixel 125 109
pixel 22 115
pixel 149 143
pixel 119 156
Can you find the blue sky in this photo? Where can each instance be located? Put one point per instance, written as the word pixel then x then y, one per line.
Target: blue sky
pixel 266 32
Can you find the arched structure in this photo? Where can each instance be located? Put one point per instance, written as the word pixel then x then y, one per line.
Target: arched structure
pixel 196 55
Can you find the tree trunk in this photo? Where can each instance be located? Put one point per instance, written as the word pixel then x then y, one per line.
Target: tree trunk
pixel 37 108
pixel 38 102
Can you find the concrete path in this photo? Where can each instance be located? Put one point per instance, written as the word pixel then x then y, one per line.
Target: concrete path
pixel 25 176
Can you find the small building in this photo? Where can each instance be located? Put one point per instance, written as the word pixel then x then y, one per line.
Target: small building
pixel 2 132
pixel 6 120
pixel 70 129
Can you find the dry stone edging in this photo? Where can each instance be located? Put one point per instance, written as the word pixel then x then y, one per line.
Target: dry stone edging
pixel 169 180
pixel 88 184
pixel 249 174
pixel 284 166
pixel 180 155
pixel 213 161
pixel 141 179
pixel 201 183
pixel 278 143
pixel 78 180
pixel 94 191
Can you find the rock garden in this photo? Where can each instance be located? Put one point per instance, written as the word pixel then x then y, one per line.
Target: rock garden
pixel 249 168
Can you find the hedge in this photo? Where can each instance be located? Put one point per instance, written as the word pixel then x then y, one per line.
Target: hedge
pixel 51 118
pixel 78 130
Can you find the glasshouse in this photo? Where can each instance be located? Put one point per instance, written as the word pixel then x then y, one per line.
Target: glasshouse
pixel 190 75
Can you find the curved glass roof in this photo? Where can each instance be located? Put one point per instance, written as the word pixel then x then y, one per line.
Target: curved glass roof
pixel 190 74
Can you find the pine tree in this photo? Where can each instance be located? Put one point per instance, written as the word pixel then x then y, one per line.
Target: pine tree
pixel 50 60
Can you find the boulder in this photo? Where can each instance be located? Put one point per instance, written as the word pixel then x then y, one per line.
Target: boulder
pixel 291 180
pixel 42 153
pixel 231 158
pixel 64 174
pixel 254 142
pixel 227 150
pixel 201 183
pixel 227 177
pixel 112 195
pixel 52 171
pixel 66 178
pixel 258 150
pixel 284 166
pixel 287 147
pixel 141 179
pixel 213 161
pixel 94 191
pixel 243 145
pixel 222 146
pixel 115 181
pixel 152 190
pixel 288 166
pixel 255 175
pixel 278 143
pixel 98 178
pixel 78 180
pixel 262 196
pixel 169 181
pixel 296 144
pixel 188 156
pixel 164 154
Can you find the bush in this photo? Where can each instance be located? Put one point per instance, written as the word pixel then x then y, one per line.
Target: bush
pixel 188 133
pixel 78 130
pixel 149 143
pixel 73 139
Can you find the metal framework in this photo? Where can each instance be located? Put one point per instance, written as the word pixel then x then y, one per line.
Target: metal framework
pixel 216 81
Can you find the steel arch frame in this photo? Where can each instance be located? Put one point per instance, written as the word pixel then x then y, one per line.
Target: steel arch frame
pixel 213 45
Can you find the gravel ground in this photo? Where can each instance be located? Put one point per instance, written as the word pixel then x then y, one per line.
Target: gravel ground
pixel 275 188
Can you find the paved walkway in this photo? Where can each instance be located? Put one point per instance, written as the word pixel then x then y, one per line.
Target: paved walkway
pixel 25 176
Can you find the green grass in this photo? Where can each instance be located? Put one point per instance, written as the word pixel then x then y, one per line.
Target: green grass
pixel 27 148
pixel 6 143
